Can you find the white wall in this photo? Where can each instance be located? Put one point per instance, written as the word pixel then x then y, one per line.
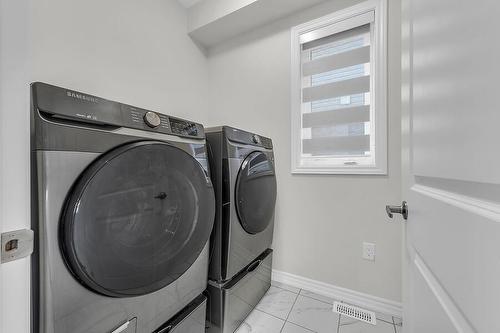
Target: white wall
pixel 14 157
pixel 321 221
pixel 137 52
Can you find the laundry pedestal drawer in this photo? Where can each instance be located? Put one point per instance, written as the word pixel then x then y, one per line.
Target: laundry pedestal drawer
pixel 128 327
pixel 230 303
pixel 191 319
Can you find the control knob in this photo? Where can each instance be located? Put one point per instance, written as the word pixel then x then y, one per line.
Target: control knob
pixel 152 119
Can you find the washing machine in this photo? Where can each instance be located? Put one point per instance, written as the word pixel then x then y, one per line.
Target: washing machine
pixel 243 173
pixel 122 209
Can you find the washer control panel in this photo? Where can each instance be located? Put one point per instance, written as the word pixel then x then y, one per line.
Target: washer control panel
pixel 183 127
pixel 256 139
pixel 150 120
pixel 67 104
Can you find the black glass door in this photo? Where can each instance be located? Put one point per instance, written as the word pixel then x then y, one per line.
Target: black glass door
pixel 137 219
pixel 256 192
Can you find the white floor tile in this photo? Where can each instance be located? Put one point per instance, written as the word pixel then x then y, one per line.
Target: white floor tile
pixel 314 315
pixel 382 316
pixel 349 325
pixel 285 286
pixel 317 296
pixel 292 328
pixel 277 302
pixel 344 320
pixel 260 322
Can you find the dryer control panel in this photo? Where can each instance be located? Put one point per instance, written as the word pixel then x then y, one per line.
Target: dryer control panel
pixel 241 136
pixel 80 107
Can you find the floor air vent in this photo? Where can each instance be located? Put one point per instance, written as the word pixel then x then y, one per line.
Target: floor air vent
pixel 355 312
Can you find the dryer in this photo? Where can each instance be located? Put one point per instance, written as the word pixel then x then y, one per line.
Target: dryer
pixel 244 179
pixel 122 209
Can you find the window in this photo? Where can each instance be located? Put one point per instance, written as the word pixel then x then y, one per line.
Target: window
pixel 339 92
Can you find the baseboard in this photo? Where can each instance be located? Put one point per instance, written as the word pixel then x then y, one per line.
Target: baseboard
pixel 371 302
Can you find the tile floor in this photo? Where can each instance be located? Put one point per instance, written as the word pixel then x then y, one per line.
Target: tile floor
pixel 288 309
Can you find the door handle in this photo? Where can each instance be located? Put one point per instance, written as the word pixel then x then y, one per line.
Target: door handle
pixel 254 266
pixel 403 210
pixel 122 327
pixel 166 329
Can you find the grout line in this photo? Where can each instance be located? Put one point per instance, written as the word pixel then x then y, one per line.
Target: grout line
pixel 270 314
pixel 282 326
pixel 296 296
pixel 294 301
pixel 307 329
pixel 394 324
pixel 385 321
pixel 401 324
pixel 288 315
pixel 319 300
pixel 354 321
pixel 287 289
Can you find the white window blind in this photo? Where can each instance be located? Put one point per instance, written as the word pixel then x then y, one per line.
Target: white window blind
pixel 336 94
pixel 337 121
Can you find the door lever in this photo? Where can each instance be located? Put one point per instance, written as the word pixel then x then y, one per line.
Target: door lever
pixel 403 210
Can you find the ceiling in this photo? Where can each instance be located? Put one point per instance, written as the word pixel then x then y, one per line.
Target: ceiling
pixel 188 3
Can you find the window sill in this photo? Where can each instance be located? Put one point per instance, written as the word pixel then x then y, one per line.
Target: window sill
pixel 339 171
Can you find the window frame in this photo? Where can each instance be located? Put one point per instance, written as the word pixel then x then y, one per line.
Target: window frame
pixel 378 93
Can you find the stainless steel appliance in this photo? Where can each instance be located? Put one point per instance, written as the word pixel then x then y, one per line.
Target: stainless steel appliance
pixel 191 319
pixel 244 178
pixel 123 207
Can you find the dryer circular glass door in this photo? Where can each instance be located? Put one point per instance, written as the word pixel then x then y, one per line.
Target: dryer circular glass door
pixel 137 219
pixel 256 192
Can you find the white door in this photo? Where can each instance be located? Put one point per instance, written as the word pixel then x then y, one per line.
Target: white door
pixel 451 112
pixel 14 159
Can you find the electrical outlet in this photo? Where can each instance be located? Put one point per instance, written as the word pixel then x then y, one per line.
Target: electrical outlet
pixel 369 251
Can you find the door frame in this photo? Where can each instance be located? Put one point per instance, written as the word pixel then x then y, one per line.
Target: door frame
pixel 406 96
pixel 15 47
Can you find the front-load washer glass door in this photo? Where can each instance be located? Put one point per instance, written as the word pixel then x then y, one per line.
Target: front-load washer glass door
pixel 137 219
pixel 255 192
